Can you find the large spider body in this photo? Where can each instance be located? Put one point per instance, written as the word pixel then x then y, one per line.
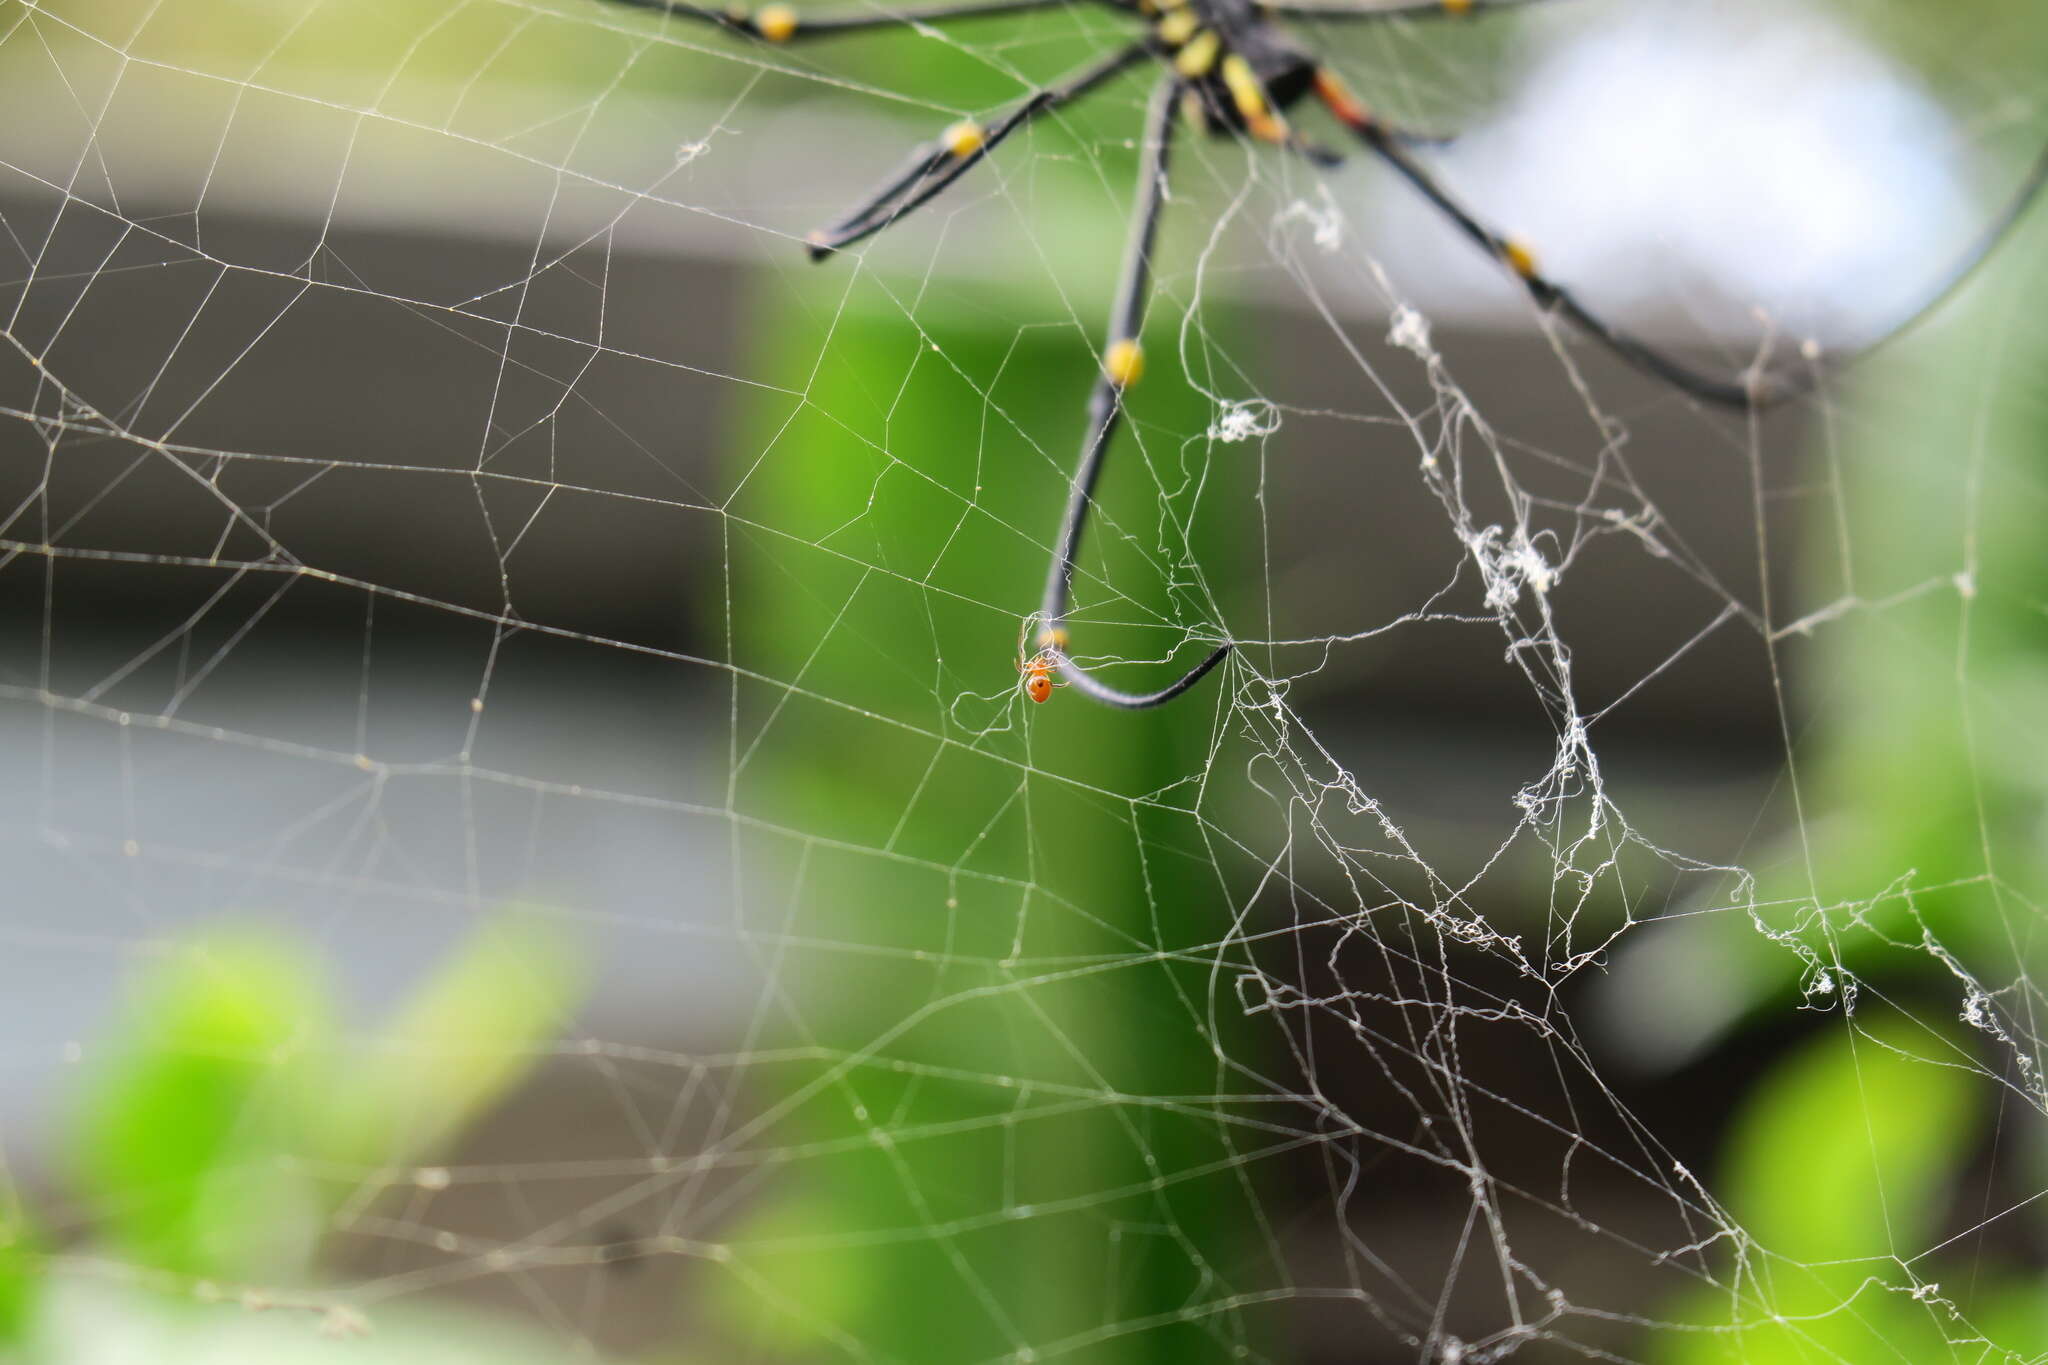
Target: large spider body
pixel 1246 43
pixel 1229 68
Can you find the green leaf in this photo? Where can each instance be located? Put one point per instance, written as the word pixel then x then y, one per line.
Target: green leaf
pixel 18 1283
pixel 467 1035
pixel 1836 1170
pixel 1845 1149
pixel 174 1140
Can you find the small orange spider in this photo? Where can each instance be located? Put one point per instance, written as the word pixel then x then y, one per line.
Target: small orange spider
pixel 1037 671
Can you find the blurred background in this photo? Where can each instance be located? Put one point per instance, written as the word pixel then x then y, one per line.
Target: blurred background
pixel 523 840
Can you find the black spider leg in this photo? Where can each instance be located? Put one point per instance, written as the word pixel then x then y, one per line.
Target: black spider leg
pixel 937 164
pixel 2016 205
pixel 1410 9
pixel 1753 390
pixel 1548 294
pixel 738 19
pixel 1105 408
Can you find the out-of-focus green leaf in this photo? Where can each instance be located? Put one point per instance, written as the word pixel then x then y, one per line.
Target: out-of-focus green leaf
pixel 2016 1318
pixel 467 1035
pixel 793 1297
pixel 176 1142
pixel 1836 1171
pixel 17 1279
pixel 1843 1151
pixel 228 1071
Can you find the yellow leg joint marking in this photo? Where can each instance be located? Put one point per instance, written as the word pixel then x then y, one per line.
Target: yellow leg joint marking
pixel 1250 98
pixel 1177 27
pixel 1519 257
pixel 1124 362
pixel 1191 109
pixel 775 23
pixel 964 138
pixel 1195 60
pixel 1244 87
pixel 1459 8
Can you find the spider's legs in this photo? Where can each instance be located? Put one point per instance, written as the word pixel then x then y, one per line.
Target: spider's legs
pixel 937 164
pixel 1385 143
pixel 1751 389
pixel 1122 363
pixel 777 22
pixel 1994 232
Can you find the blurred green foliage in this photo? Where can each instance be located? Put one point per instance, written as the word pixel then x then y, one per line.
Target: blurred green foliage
pixel 984 898
pixel 19 1267
pixel 207 1138
pixel 1839 1163
pixel 178 1138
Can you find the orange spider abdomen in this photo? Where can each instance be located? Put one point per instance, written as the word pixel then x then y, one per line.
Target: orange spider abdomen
pixel 1038 684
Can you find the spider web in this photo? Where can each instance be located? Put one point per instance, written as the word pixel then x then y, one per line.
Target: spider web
pixel 1591 915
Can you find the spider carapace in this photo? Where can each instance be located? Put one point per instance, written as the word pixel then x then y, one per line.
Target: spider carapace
pixel 1240 67
pixel 1230 68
